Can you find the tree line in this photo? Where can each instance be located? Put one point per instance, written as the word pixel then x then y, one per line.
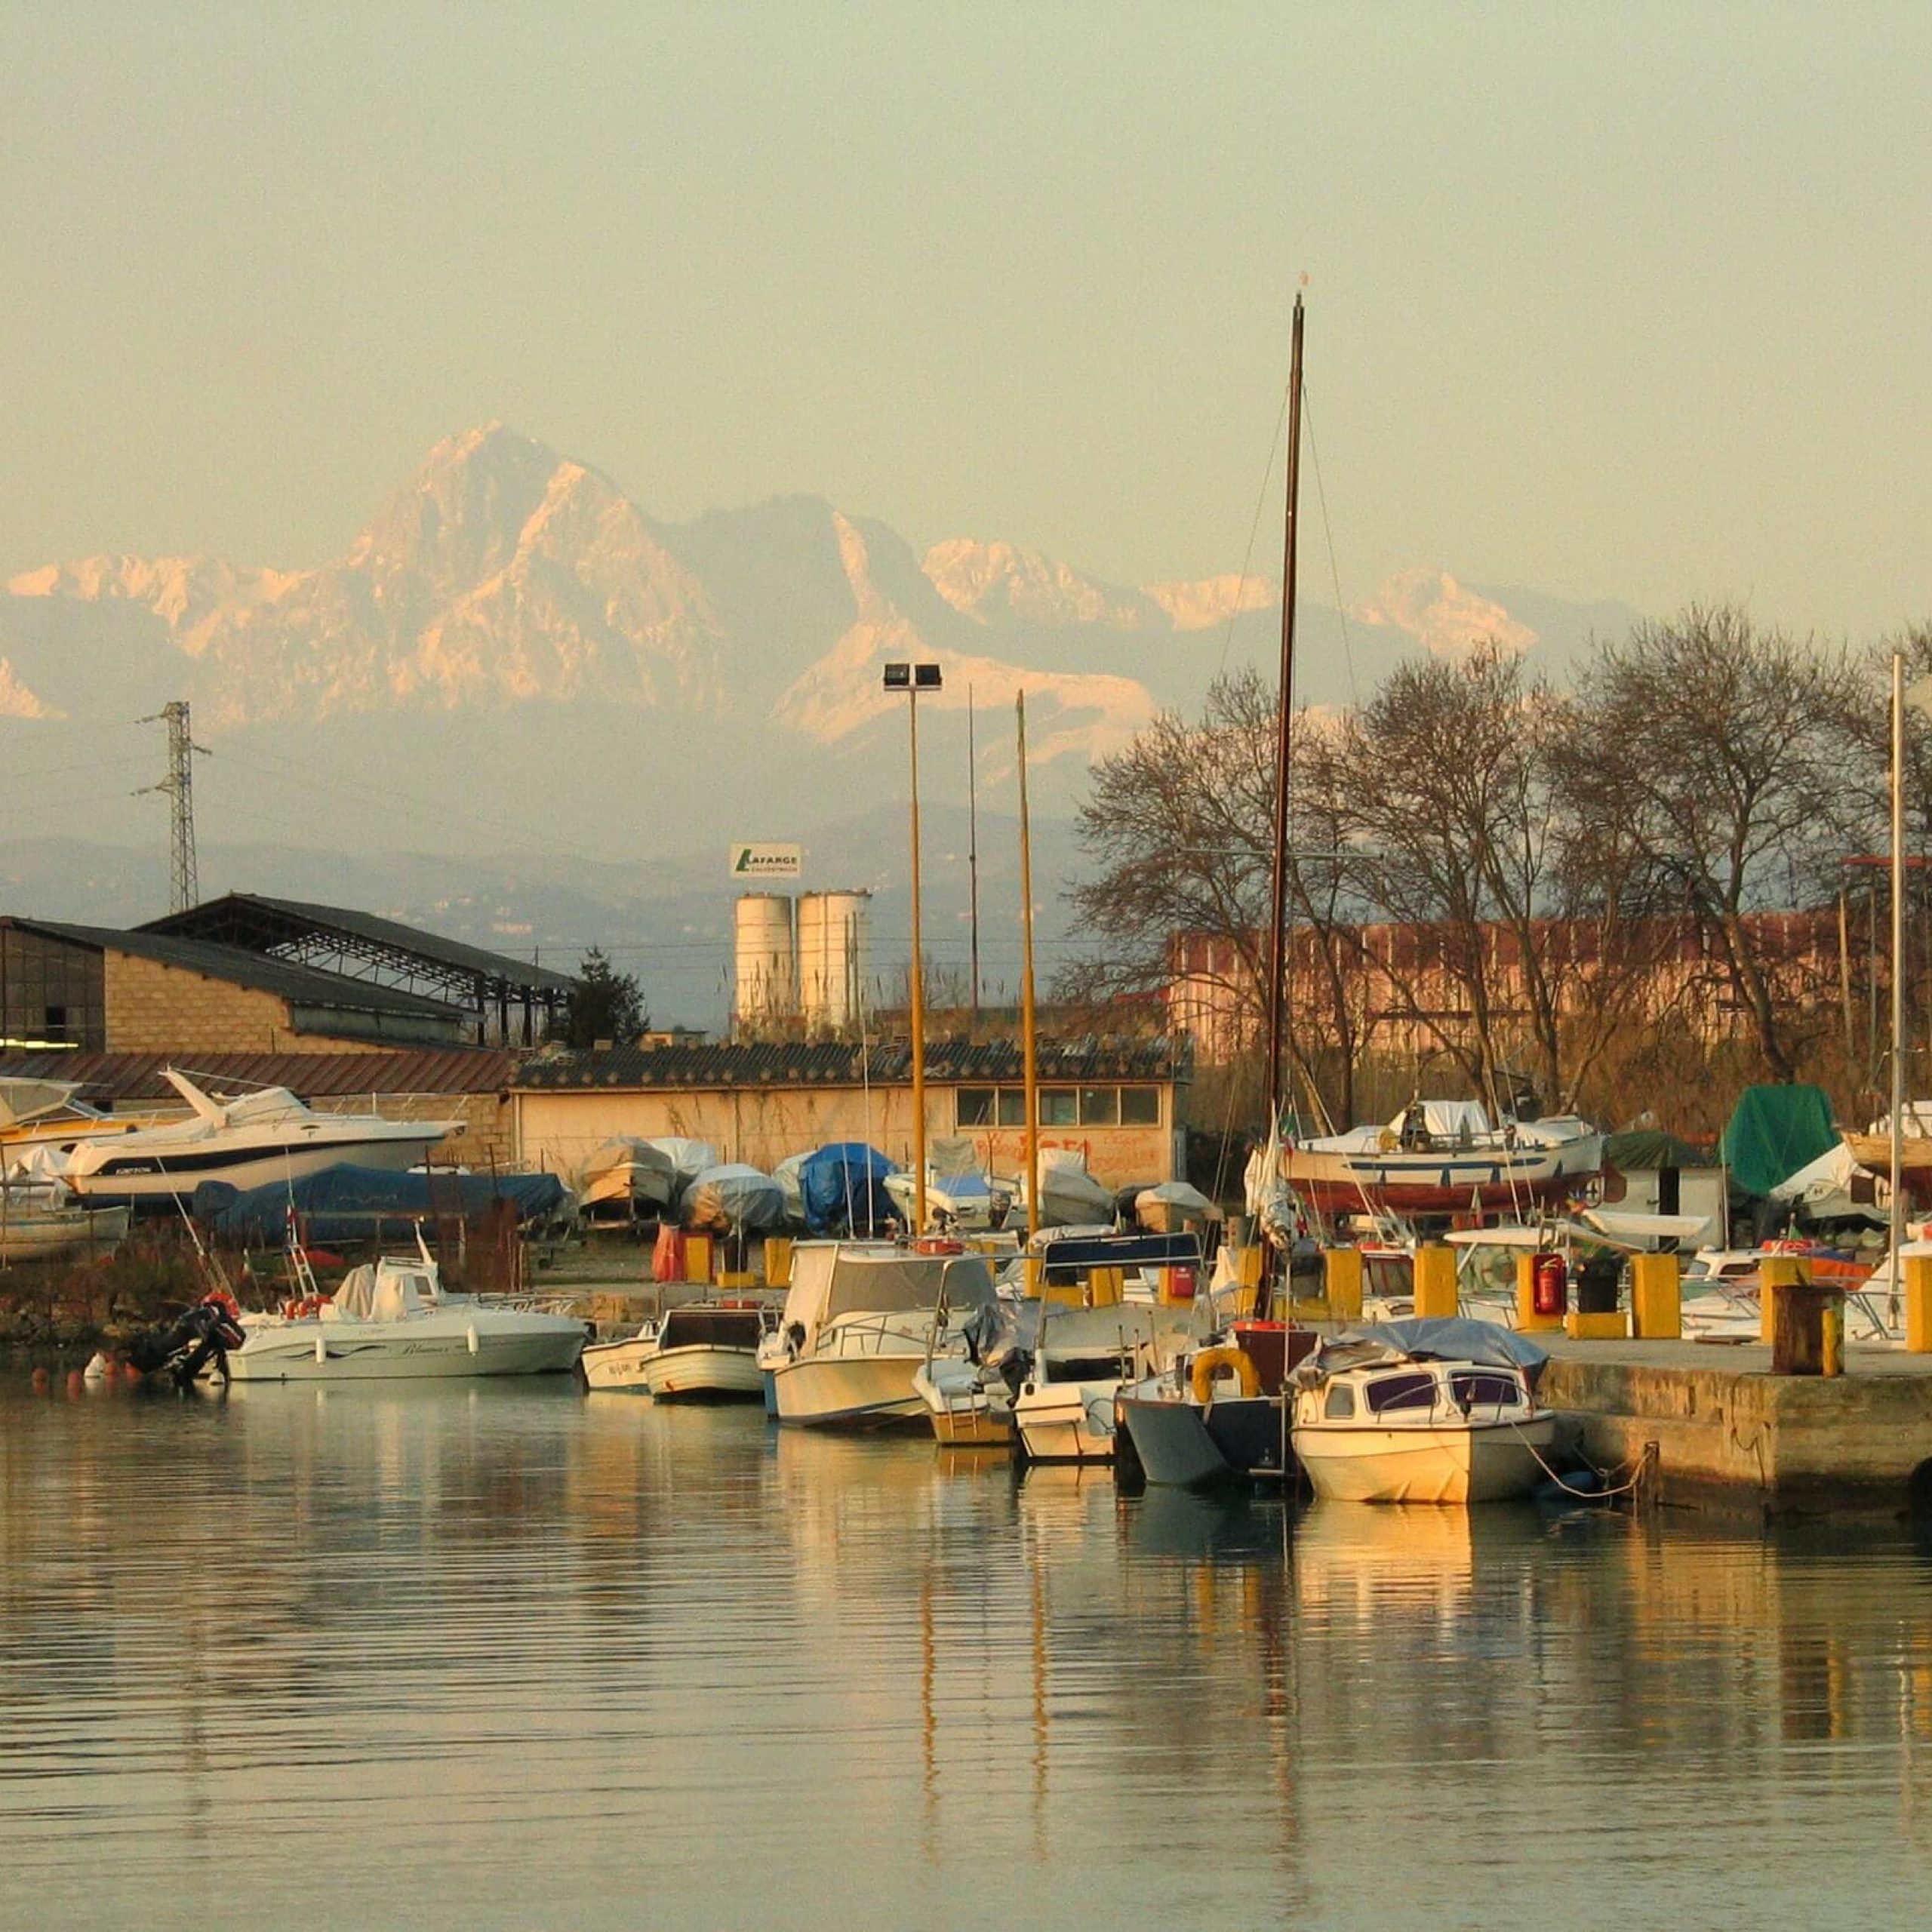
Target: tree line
pixel 1590 869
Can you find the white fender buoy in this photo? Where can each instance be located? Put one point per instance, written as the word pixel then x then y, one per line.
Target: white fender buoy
pixel 469 1335
pixel 321 1349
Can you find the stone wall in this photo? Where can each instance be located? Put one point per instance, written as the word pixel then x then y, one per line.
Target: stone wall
pixel 153 1008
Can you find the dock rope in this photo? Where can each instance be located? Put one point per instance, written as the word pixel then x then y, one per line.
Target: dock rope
pixel 1634 1474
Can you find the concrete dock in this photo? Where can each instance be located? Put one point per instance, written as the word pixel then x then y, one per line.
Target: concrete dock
pixel 1731 1435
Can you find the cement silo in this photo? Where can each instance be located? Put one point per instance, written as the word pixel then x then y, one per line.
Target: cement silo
pixel 765 988
pixel 835 957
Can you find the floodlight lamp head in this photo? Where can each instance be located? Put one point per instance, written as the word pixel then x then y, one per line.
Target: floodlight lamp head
pixel 898 677
pixel 926 677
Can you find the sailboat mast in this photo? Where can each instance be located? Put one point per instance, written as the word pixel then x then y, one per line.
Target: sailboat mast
pixel 1278 893
pixel 1898 977
pixel 973 846
pixel 1029 1042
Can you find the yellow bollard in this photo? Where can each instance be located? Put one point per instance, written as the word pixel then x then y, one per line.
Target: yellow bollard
pixel 1341 1275
pixel 1435 1280
pixel 1527 1319
pixel 1106 1287
pixel 697 1257
pixel 1919 1303
pixel 1776 1271
pixel 1656 1298
pixel 1834 1336
pixel 778 1261
pixel 1248 1266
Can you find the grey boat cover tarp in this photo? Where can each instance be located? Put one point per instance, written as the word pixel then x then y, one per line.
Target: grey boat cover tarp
pixel 1423 1338
pixel 1772 1132
pixel 346 1204
pixel 843 1187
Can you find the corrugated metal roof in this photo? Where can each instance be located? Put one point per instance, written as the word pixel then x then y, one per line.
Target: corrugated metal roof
pixel 122 1078
pixel 305 986
pixel 840 1064
pixel 281 921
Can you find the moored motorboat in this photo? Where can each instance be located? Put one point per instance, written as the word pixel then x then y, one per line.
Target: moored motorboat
pixel 393 1319
pixel 1422 1411
pixel 858 1326
pixel 701 1351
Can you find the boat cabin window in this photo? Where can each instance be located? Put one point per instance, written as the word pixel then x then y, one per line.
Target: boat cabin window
pixel 711 1327
pixel 1389 1275
pixel 1341 1402
pixel 1416 1390
pixel 1478 1389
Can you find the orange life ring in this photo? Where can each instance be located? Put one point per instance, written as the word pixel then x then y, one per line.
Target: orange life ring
pixel 936 1245
pixel 1209 1363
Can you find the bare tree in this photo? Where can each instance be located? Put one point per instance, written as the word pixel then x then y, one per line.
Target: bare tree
pixel 1725 753
pixel 1178 830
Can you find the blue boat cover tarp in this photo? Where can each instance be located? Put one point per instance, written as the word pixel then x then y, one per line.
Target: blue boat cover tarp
pixel 1775 1130
pixel 843 1187
pixel 348 1204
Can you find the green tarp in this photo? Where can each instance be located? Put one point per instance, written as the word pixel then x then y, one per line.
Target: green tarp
pixel 1773 1132
pixel 1642 1149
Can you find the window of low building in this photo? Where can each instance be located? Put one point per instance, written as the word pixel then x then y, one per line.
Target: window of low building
pixel 1060 1106
pixel 1140 1107
pixel 1100 1106
pixel 1013 1106
pixel 972 1106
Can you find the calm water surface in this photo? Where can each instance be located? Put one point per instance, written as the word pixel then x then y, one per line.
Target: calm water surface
pixel 515 1656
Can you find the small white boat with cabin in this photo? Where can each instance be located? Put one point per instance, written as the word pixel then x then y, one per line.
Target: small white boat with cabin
pixel 394 1320
pixel 961 1197
pixel 858 1327
pixel 701 1351
pixel 251 1140
pixel 1422 1411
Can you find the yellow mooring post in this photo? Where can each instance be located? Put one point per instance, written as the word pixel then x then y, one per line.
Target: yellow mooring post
pixel 1435 1280
pixel 1776 1271
pixel 1656 1298
pixel 1833 1363
pixel 777 1261
pixel 1919 1303
pixel 1341 1277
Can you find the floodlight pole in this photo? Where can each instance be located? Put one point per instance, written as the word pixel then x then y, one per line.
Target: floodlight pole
pixel 912 679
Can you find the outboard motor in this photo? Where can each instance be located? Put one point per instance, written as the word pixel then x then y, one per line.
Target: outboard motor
pixel 204 1335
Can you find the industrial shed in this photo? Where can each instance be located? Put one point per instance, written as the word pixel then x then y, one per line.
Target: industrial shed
pixel 503 1002
pixel 1120 1102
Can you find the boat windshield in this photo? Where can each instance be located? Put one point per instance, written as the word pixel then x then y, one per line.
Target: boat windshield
pixel 893 1283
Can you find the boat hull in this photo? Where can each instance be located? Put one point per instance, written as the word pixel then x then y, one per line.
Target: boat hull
pixel 1066 1421
pixel 169 1179
pixel 1438 1183
pixel 964 1418
pixel 37 1235
pixel 1482 1462
pixel 872 1391
pixel 1169 1436
pixel 445 1345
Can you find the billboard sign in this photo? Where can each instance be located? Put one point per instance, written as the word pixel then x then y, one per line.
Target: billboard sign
pixel 763 862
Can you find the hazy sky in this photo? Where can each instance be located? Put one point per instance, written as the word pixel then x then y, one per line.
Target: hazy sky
pixel 1616 301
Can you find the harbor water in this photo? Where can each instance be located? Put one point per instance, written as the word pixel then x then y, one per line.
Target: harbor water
pixel 509 1656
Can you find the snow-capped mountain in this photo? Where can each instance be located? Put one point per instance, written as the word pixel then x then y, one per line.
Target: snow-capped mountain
pixel 597 665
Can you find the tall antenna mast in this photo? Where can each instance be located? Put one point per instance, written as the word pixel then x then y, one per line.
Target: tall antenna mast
pixel 973 846
pixel 184 890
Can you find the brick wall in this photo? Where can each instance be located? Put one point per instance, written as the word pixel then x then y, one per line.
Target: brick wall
pixel 156 1009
